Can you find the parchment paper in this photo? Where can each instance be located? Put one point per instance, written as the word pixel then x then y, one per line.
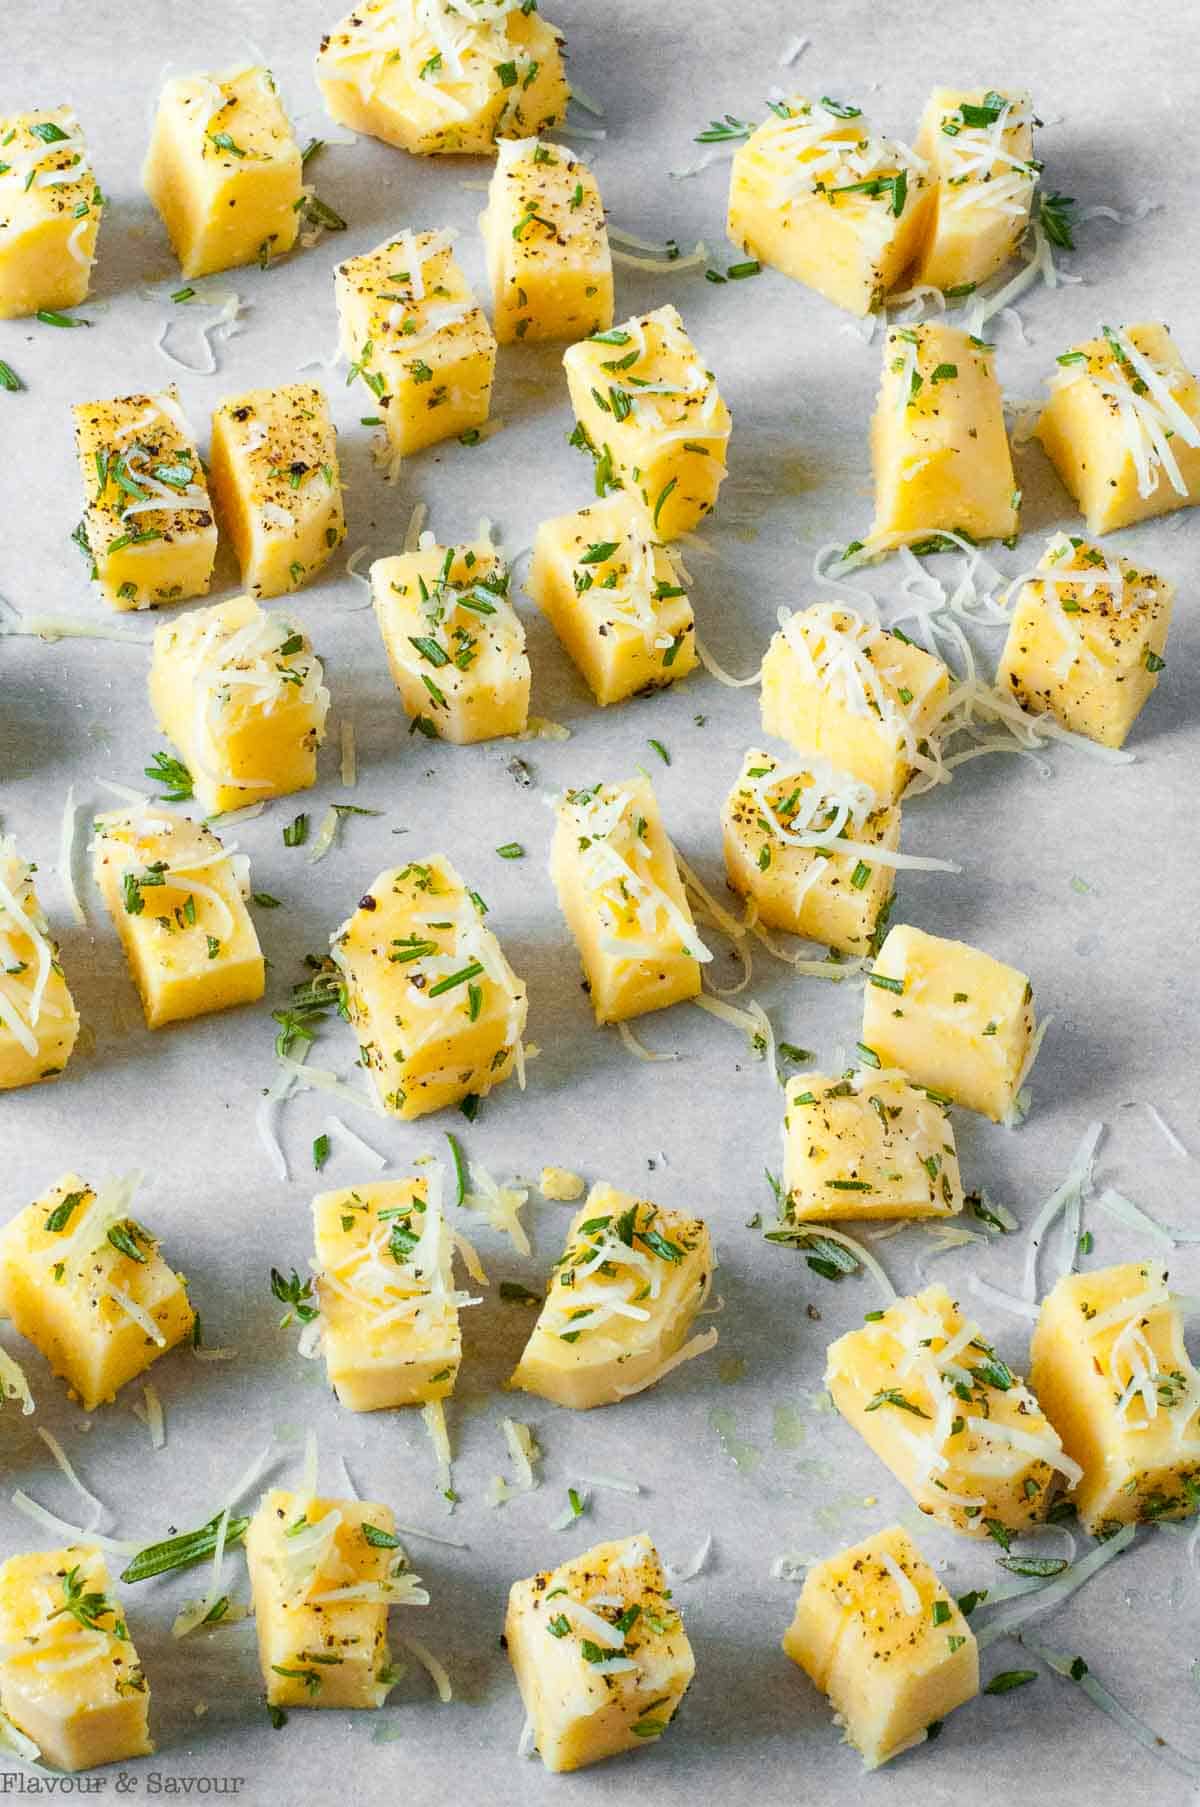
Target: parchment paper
pixel 1087 879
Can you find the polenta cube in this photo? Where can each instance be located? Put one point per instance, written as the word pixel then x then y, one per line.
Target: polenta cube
pixel 612 594
pixel 938 444
pixel 50 208
pixel 1111 1367
pixel 276 484
pixel 599 1652
pixel 809 846
pixel 1087 640
pixel 978 144
pixel 877 1632
pixel 844 690
pixel 38 1019
pixel 1122 426
pixel 148 521
pixel 323 1573
pixel 454 641
pixel 413 332
pixel 619 888
pixel 85 1282
pixel 389 1311
pixel 652 417
pixel 549 266
pixel 434 77
pixel 437 1009
pixel 223 170
pixel 819 194
pixel 177 899
pixel 240 692
pixel 866 1145
pixel 620 1303
pixel 955 1425
pixel 956 1020
pixel 70 1678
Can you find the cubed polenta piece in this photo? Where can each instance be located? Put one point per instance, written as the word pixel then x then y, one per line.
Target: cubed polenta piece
pixel 38 1019
pixel 652 417
pixel 612 594
pixel 240 692
pixel 619 888
pixel 1087 640
pixel 1110 1365
pixel 599 1652
pixel 437 1009
pixel 844 690
pixel 809 845
pixel 1122 426
pixel 50 208
pixel 322 1585
pixel 413 332
pixel 84 1281
pixel 543 230
pixel 434 77
pixel 389 1312
pixel 454 641
pixel 955 1019
pixel 819 194
pixel 147 520
pixel 621 1300
pixel 223 170
pixel 70 1678
pixel 955 1425
pixel 866 1145
pixel 978 144
pixel 938 444
pixel 276 484
pixel 178 903
pixel 877 1632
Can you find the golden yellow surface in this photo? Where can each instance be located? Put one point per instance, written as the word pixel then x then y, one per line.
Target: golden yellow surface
pixel 57 1287
pixel 1099 1337
pixel 938 443
pixel 47 1018
pixel 955 1425
pixel 815 890
pixel 50 208
pixel 612 594
pixel 223 170
pixel 381 73
pixel 416 338
pixel 585 1352
pixel 436 1007
pixel 454 642
pixel 276 484
pixel 240 693
pixel 983 182
pixel 147 518
pixel 333 1652
pixel 77 1690
pixel 578 1716
pixel 1093 391
pixel 864 700
pixel 961 1022
pixel 619 888
pixel 807 198
pixel 1087 640
pixel 889 1672
pixel 389 1319
pixel 667 443
pixel 543 230
pixel 863 1146
pixel 177 904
